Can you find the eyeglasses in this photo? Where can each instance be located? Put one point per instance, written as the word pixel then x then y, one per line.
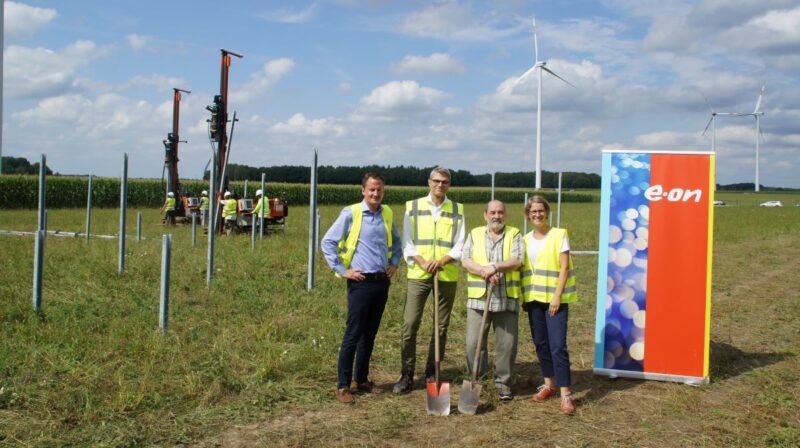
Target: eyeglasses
pixel 440 181
pixel 537 212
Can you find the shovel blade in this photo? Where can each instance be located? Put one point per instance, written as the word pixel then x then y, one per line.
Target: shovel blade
pixel 438 400
pixel 469 398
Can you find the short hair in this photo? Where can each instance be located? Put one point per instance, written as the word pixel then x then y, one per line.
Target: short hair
pixel 372 175
pixel 486 209
pixel 536 199
pixel 441 170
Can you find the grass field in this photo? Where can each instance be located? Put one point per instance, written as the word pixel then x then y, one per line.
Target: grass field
pixel 251 361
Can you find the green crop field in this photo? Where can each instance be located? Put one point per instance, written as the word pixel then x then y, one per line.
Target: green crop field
pixel 251 361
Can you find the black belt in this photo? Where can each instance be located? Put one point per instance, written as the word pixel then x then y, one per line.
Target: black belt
pixel 374 276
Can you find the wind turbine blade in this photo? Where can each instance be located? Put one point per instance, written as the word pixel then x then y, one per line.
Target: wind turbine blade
pixel 708 124
pixel 554 74
pixel 519 80
pixel 535 41
pixel 760 96
pixel 707 103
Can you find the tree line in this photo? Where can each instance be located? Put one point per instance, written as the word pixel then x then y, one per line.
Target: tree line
pixel 405 175
pixel 20 165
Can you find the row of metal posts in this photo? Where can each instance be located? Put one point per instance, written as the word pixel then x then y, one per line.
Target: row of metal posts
pixel 314 222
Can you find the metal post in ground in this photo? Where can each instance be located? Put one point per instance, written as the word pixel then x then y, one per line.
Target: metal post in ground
pixel 166 255
pixel 212 228
pixel 525 219
pixel 139 226
pixel 493 186
pixel 312 213
pixel 123 207
pixel 42 182
pixel 253 234
pixel 194 230
pixel 264 205
pixel 558 214
pixel 89 209
pixel 38 270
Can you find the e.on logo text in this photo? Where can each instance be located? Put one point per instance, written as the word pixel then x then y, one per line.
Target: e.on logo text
pixel 656 193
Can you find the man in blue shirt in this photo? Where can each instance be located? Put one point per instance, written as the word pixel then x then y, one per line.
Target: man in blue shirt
pixel 363 245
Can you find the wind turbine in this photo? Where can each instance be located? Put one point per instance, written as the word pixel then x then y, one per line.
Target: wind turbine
pixel 541 66
pixel 757 113
pixel 713 123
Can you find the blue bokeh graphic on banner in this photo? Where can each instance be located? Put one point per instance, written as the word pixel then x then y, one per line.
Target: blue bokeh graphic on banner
pixel 627 262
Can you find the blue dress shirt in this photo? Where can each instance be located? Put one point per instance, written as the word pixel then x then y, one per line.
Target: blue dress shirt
pixel 370 254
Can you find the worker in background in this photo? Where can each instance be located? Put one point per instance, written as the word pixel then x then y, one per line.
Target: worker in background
pixel 169 209
pixel 263 204
pixel 204 207
pixel 228 204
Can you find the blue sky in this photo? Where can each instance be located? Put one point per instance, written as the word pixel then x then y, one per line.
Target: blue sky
pixel 402 82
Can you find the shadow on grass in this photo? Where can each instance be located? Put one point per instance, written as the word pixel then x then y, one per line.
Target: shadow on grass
pixel 727 361
pixel 595 386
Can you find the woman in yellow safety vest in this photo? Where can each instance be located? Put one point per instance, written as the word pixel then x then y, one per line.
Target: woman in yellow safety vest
pixel 548 286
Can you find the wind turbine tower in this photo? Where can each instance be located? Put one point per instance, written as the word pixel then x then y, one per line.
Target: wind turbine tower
pixel 757 113
pixel 538 66
pixel 712 122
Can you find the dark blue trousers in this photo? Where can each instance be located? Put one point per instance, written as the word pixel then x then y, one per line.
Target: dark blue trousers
pixel 549 335
pixel 365 303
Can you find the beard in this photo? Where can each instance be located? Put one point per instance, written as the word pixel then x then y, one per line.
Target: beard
pixel 496 226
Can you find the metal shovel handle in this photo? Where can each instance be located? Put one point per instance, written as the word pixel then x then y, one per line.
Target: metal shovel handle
pixel 476 362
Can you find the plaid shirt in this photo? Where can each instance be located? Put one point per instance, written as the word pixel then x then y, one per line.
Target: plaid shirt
pixel 494 250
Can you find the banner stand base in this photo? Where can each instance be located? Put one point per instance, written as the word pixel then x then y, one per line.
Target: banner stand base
pixel 690 380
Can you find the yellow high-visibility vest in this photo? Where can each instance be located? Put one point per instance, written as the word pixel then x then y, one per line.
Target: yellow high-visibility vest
pixel 476 285
pixel 347 246
pixel 257 209
pixel 203 203
pixel 433 239
pixel 170 204
pixel 539 282
pixel 229 208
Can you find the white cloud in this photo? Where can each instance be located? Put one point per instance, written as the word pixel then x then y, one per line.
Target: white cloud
pixel 398 99
pixel 38 72
pixel 261 81
pixel 453 21
pixel 137 41
pixel 157 81
pixel 22 20
pixel 291 16
pixel 344 87
pixel 298 124
pixel 776 31
pixel 439 63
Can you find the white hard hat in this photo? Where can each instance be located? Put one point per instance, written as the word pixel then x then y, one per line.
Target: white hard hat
pixel 259 192
pixel 227 193
pixel 204 193
pixel 171 194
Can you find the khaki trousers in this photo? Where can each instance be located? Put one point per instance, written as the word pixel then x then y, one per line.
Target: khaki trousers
pixel 417 293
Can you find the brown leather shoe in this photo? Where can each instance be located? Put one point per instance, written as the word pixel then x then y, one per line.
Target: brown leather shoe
pixel 567 407
pixel 543 393
pixel 368 387
pixel 344 396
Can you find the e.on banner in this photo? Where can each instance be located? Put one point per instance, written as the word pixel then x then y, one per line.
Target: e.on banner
pixel 654 268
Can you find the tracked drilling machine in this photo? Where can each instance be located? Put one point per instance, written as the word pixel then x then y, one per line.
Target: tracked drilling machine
pixel 184 205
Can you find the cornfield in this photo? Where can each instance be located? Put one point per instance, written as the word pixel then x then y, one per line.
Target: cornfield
pixel 68 192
